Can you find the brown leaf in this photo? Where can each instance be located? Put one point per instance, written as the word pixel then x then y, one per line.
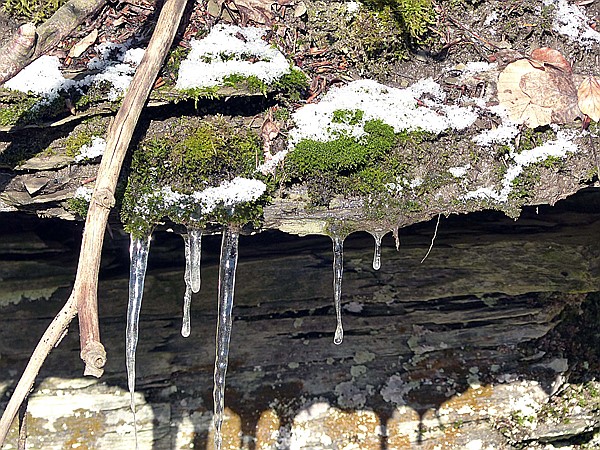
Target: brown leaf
pixel 78 49
pixel 519 105
pixel 589 97
pixel 535 96
pixel 553 57
pixel 259 11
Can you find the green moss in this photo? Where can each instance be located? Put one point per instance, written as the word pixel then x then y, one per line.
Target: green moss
pixel 292 85
pixel 348 117
pixel 376 166
pixel 414 15
pixel 190 157
pixel 19 109
pixel 35 11
pixel 78 206
pixel 342 155
pixel 83 135
pixel 251 83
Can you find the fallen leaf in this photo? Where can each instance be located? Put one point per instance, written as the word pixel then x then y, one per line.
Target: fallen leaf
pixel 259 11
pixel 78 49
pixel 588 95
pixel 519 105
pixel 553 57
pixel 554 89
pixel 537 96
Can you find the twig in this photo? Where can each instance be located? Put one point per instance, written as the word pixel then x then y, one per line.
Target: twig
pixel 432 239
pixel 83 299
pixel 22 444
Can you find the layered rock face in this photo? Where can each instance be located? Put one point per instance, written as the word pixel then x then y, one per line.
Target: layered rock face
pixel 489 342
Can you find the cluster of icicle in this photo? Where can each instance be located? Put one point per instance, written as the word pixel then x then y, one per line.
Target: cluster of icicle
pixel 139 250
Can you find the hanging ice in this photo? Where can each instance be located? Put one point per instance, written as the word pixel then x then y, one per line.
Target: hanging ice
pixel 191 276
pixel 194 258
pixel 187 296
pixel 229 256
pixel 138 252
pixel 378 235
pixel 338 270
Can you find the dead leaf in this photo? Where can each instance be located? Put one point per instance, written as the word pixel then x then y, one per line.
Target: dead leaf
pixel 537 96
pixel 259 11
pixel 553 57
pixel 588 96
pixel 78 49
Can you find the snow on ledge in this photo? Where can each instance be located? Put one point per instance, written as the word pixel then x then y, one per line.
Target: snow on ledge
pixel 559 148
pixel 398 108
pixel 228 50
pixel 228 194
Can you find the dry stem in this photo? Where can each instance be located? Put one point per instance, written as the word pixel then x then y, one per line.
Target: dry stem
pixel 83 299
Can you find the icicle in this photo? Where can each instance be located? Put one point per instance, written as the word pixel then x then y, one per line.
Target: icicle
pixel 187 297
pixel 229 256
pixel 396 234
pixel 338 270
pixel 195 246
pixel 138 252
pixel 193 241
pixel 378 235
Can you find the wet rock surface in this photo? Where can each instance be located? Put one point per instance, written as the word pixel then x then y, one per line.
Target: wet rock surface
pixel 491 342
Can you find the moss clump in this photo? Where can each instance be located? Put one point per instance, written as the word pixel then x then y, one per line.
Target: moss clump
pixel 251 83
pixel 291 86
pixel 35 11
pixel 414 15
pixel 354 166
pixel 342 155
pixel 78 206
pixel 191 157
pixel 19 109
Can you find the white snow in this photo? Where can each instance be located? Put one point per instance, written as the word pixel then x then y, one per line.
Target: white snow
pixel 560 147
pixel 459 171
pixel 42 77
pixel 230 193
pixel 502 134
pixel 570 20
pixel 91 151
pixel 227 195
pixel 84 193
pixel 115 64
pixel 352 7
pixel 118 72
pixel 227 50
pixel 395 107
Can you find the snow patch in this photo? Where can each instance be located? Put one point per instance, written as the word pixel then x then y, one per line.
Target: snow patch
pixel 91 151
pixel 460 171
pixel 42 77
pixel 558 148
pixel 227 195
pixel 84 193
pixel 570 20
pixel 395 107
pixel 116 64
pixel 228 50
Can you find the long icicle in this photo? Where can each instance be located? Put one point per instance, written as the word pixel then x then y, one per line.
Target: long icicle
pixel 338 271
pixel 229 256
pixel 187 297
pixel 195 236
pixel 138 252
pixel 378 235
